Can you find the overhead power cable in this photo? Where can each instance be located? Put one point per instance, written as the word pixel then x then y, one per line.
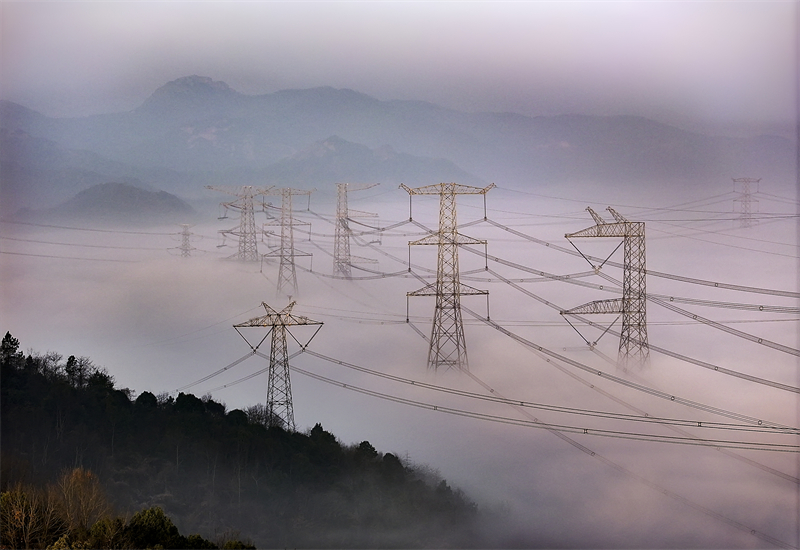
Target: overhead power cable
pixel 650 272
pixel 729 245
pixel 535 423
pixel 616 379
pixel 403 273
pixel 218 372
pixel 85 228
pixel 556 408
pixel 78 244
pixel 66 257
pixel 637 410
pixel 715 324
pixel 571 277
pixel 730 444
pixel 725 328
pixel 658 349
pixel 727 305
pixel 725 232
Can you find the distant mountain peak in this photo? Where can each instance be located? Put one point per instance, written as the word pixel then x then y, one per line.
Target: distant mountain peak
pixel 115 201
pixel 193 84
pixel 189 93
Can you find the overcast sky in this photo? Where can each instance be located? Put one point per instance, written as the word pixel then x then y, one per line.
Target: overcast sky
pixel 703 64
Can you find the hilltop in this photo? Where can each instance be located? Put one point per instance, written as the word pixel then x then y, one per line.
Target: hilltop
pixel 215 470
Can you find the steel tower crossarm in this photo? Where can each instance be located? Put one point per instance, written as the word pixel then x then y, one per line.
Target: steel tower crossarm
pixel 614 305
pixel 445 188
pixel 620 227
pixel 283 317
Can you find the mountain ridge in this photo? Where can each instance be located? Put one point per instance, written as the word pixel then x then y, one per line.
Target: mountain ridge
pixel 203 129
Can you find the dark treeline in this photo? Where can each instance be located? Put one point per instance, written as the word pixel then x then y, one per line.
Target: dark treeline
pixel 215 471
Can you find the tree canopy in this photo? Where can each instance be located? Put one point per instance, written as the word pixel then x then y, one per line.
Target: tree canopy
pixel 209 469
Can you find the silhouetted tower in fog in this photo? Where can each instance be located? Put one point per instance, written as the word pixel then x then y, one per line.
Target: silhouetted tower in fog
pixel 186 245
pixel 280 409
pixel 744 187
pixel 286 252
pixel 342 260
pixel 633 346
pixel 246 232
pixel 448 347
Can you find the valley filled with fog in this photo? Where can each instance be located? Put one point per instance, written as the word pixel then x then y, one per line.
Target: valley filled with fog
pixel 125 297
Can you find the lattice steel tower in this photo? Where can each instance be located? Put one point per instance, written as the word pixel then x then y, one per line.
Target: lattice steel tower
pixel 286 252
pixel 280 410
pixel 448 347
pixel 633 346
pixel 342 260
pixel 186 245
pixel 746 201
pixel 246 232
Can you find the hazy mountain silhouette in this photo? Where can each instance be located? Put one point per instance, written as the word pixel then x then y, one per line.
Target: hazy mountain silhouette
pixel 206 132
pixel 37 172
pixel 115 202
pixel 336 160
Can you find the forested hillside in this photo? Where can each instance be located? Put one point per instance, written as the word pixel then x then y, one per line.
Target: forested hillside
pixel 214 471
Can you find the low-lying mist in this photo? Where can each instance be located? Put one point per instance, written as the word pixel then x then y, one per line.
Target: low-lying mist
pixel 157 321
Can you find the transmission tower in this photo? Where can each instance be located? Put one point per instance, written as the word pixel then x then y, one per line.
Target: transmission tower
pixel 246 232
pixel 286 252
pixel 186 245
pixel 279 388
pixel 447 344
pixel 342 260
pixel 633 346
pixel 746 201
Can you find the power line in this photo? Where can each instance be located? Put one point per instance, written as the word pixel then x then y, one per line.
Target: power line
pixel 85 228
pixel 661 350
pixel 653 273
pixel 641 412
pixel 535 423
pixel 715 324
pixel 78 244
pixel 729 444
pixel 65 257
pixel 694 238
pixel 557 408
pixel 633 385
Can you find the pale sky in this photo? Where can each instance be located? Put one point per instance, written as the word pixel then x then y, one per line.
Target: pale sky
pixel 699 64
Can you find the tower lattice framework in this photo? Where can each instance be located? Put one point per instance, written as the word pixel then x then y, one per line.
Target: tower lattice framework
pixel 448 346
pixel 186 244
pixel 280 410
pixel 246 232
pixel 746 201
pixel 633 346
pixel 342 260
pixel 286 251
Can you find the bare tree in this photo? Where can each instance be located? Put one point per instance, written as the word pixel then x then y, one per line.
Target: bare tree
pixel 29 517
pixel 82 501
pixel 259 414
